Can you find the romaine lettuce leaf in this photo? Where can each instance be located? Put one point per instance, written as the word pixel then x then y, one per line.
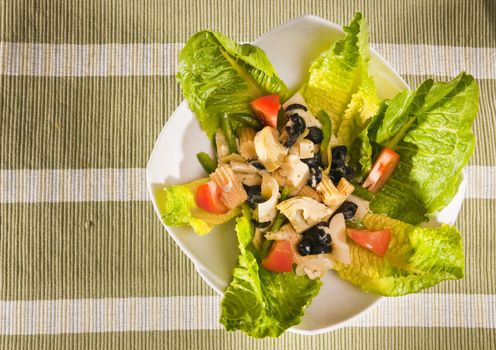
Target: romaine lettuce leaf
pixel 218 75
pixel 430 130
pixel 259 302
pixel 417 258
pixel 340 85
pixel 178 208
pixel 362 150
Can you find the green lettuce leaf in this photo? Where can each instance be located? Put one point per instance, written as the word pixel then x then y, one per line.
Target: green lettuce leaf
pixel 178 208
pixel 417 258
pixel 362 150
pixel 340 85
pixel 259 302
pixel 431 131
pixel 218 75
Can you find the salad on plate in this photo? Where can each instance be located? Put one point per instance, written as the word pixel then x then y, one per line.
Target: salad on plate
pixel 328 177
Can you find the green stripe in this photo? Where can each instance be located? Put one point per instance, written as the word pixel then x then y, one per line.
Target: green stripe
pixel 485 124
pixel 444 22
pixel 54 250
pixel 82 122
pixel 476 222
pixel 353 338
pixel 95 122
pixel 86 250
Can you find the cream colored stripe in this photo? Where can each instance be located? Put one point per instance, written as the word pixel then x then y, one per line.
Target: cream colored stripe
pixel 439 60
pixel 72 185
pixel 161 59
pixel 98 185
pixel 202 312
pixel 61 60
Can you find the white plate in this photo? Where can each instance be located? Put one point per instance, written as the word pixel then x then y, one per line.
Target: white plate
pixel 291 48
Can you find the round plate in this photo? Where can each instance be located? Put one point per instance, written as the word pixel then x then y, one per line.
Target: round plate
pixel 291 48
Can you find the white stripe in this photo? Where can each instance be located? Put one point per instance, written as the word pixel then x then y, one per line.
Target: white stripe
pixel 439 60
pixel 481 181
pixel 72 185
pixel 58 60
pixel 161 59
pixel 202 312
pixel 98 185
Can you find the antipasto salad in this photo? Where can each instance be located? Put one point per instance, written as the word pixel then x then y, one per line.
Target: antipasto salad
pixel 325 178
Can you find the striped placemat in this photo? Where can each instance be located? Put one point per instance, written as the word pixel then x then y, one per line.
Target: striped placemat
pixel 85 88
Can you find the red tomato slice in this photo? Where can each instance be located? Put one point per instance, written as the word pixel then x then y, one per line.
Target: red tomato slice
pixel 375 241
pixel 266 108
pixel 280 257
pixel 208 197
pixel 382 169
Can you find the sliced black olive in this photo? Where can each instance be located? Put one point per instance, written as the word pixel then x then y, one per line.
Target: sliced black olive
pixel 348 209
pixel 296 106
pixel 315 240
pixel 338 156
pixel 294 128
pixel 320 249
pixel 314 162
pixel 253 190
pixel 257 164
pixel 335 175
pixel 315 135
pixel 326 239
pixel 254 195
pixel 260 224
pixel 316 233
pixel 315 177
pixel 348 173
pixel 304 247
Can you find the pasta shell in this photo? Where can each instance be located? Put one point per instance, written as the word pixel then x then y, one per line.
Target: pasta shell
pixel 269 150
pixel 233 193
pixel 308 191
pixel 247 143
pixel 330 194
pixel 247 173
pixel 233 157
pixel 304 212
pixel 221 144
pixel 345 188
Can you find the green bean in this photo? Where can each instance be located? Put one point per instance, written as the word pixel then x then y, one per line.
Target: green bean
pixel 207 163
pixel 280 218
pixel 246 120
pixel 281 119
pixel 229 133
pixel 278 222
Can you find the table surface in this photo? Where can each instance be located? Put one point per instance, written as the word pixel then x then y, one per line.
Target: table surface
pixel 85 88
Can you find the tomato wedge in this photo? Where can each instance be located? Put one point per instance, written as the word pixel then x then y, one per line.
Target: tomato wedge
pixel 266 108
pixel 208 197
pixel 382 170
pixel 280 257
pixel 375 241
